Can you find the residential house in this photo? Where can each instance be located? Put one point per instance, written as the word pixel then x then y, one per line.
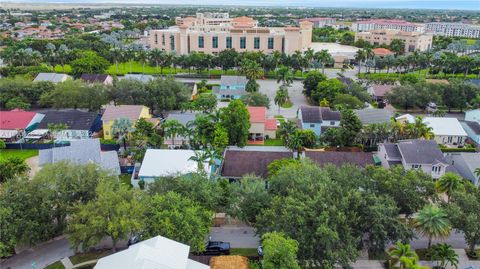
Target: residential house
pixel 231 87
pixel 184 119
pixel 52 77
pixel 339 158
pixel 15 123
pixel 466 163
pixel 473 115
pixel 97 78
pixel 130 112
pixel 261 127
pixel 140 77
pixel 447 131
pixel 473 130
pixel 415 154
pixel 373 115
pixel 157 252
pixel 379 91
pixel 164 162
pixel 405 118
pixel 81 152
pixel 79 124
pixel 318 119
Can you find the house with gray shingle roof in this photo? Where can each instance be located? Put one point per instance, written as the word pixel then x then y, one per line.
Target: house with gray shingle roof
pixel 415 154
pixel 318 119
pixel 373 115
pixel 231 87
pixel 466 163
pixel 52 77
pixel 81 152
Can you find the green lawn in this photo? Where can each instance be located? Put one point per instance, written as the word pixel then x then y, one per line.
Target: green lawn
pixel 82 257
pixel 125 180
pixel 244 252
pixel 273 142
pixel 287 105
pixel 23 154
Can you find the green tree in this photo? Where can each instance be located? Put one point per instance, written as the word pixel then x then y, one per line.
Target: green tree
pixel 432 222
pixel 281 97
pixel 166 94
pixel 205 102
pixel 445 254
pixel 328 89
pixel 2 144
pixel 280 252
pixel 116 213
pixel 252 86
pixel 449 183
pixel 277 165
pixel 256 99
pixel 310 83
pixel 249 197
pixel 236 120
pixel 89 62
pixel 347 101
pixel 179 219
pixel 220 138
pixel 75 94
pixel 284 75
pixel 128 92
pixel 397 46
pixel 324 58
pixel 350 126
pixel 12 167
pixel 121 128
pixel 172 129
pixel 399 251
pixel 17 102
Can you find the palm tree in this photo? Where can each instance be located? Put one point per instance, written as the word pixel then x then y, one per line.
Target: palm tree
pixel 172 128
pixel 252 70
pixel 284 75
pixel 281 97
pixel 309 56
pixel 477 172
pixel 409 263
pixel 445 254
pixel 448 183
pixel 200 157
pixel 62 53
pixel 122 127
pixel 295 143
pixel 286 128
pixel 142 57
pixel 399 251
pixel 432 222
pixel 360 56
pixel 324 58
pixel 156 55
pixel 116 53
pixel 50 53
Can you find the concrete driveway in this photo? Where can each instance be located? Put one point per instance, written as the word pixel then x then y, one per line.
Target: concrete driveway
pixel 238 236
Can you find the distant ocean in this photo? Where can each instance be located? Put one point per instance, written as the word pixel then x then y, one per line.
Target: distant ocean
pixel 390 4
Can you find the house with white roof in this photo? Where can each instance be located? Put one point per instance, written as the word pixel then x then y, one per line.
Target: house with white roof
pixel 157 252
pixel 52 77
pixel 447 131
pixel 164 162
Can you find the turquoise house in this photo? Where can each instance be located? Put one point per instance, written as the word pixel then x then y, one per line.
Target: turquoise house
pixel 231 87
pixel 318 119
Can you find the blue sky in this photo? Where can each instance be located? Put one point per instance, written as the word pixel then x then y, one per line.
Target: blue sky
pixel 423 4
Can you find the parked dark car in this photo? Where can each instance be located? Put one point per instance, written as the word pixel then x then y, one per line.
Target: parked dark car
pixel 217 248
pixel 133 240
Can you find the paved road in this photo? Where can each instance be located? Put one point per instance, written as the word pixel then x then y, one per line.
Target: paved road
pixel 456 240
pixel 239 237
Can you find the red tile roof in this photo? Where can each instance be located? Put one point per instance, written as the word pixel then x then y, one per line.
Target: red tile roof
pixel 258 114
pixel 382 52
pixel 15 119
pixel 271 124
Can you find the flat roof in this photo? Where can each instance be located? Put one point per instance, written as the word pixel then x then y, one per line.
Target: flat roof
pixel 335 49
pixel 167 162
pixel 445 126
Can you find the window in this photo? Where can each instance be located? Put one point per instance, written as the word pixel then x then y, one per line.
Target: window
pixel 229 42
pixel 283 44
pixel 201 42
pixel 270 43
pixel 312 125
pixel 256 43
pixel 156 38
pixel 215 42
pixel 163 40
pixel 172 42
pixel 332 123
pixel 243 42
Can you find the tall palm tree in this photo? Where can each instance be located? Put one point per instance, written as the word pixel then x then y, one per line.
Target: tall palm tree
pixel 116 53
pixel 172 128
pixel 284 75
pixel 432 222
pixel 156 55
pixel 309 56
pixel 324 58
pixel 200 157
pixel 281 97
pixel 142 57
pixel 360 56
pixel 445 254
pixel 295 143
pixel 399 251
pixel 62 54
pixel 448 183
pixel 252 70
pixel 286 128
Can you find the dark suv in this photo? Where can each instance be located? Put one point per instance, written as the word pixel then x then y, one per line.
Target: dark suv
pixel 217 248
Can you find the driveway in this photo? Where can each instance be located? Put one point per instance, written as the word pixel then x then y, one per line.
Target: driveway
pixel 238 236
pixel 32 162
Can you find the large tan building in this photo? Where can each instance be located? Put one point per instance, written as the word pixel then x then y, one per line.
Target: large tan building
pixel 414 41
pixel 214 32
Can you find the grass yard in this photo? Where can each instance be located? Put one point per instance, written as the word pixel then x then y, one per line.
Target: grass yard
pixel 273 142
pixel 247 252
pixel 23 154
pixel 287 105
pixel 125 180
pixel 82 257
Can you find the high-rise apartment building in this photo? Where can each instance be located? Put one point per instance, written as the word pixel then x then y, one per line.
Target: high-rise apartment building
pixel 453 29
pixel 400 25
pixel 214 32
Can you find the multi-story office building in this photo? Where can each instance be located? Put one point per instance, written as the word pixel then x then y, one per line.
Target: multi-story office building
pixel 400 25
pixel 453 29
pixel 321 22
pixel 414 41
pixel 214 33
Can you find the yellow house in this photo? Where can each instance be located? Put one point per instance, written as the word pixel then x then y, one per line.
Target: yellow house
pixel 131 112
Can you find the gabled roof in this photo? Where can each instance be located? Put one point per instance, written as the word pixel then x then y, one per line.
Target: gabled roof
pixel 314 114
pixel 473 125
pixel 338 158
pixel 381 89
pixel 183 118
pixel 382 52
pixel 82 151
pixel 94 78
pixel 445 126
pixel 421 152
pixel 74 119
pixel 237 163
pixel 392 151
pixel 52 77
pixel 233 80
pixel 258 114
pixel 131 112
pixel 157 252
pixel 16 119
pixel 373 115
